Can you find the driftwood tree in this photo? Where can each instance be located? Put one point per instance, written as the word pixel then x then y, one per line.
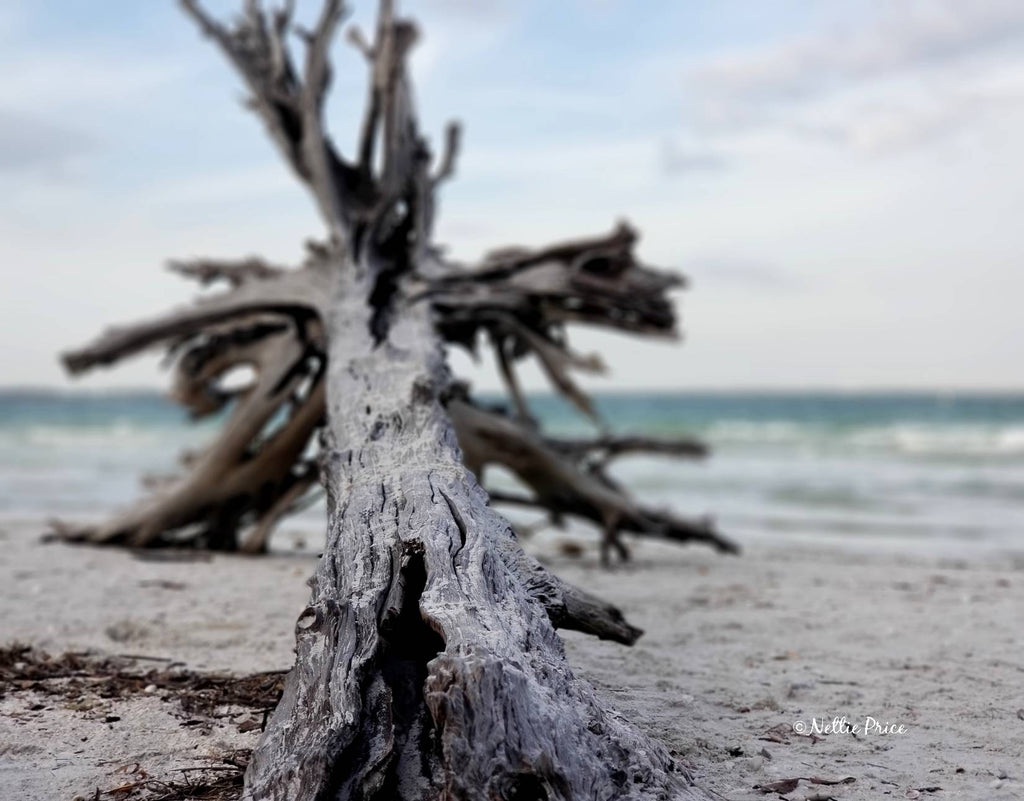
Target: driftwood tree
pixel 427 660
pixel 272 319
pixel 276 321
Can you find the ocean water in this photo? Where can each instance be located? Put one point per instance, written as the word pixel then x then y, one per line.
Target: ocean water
pixel 936 472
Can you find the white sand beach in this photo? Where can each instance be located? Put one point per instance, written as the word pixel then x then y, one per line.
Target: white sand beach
pixel 667 277
pixel 738 652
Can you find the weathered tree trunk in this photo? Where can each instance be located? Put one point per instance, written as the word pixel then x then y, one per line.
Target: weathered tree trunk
pixel 426 665
pixel 427 661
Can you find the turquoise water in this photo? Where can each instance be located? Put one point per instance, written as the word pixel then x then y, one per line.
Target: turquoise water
pixel 916 469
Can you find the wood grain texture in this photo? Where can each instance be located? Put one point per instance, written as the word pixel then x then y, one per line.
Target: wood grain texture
pixel 427 663
pixel 425 668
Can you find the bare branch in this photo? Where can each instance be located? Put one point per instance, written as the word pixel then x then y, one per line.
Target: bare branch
pixel 240 471
pixel 317 76
pixel 294 293
pixel 208 25
pixel 235 273
pixel 568 606
pixel 450 154
pixel 508 374
pixel 561 485
pixel 357 39
pixel 604 449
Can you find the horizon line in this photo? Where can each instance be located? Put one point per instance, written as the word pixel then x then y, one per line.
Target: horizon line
pixel 739 389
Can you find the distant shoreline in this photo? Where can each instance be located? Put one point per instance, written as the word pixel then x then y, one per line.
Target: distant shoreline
pixel 942 470
pixel 697 392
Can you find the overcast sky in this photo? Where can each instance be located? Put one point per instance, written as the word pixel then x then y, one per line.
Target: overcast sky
pixel 842 181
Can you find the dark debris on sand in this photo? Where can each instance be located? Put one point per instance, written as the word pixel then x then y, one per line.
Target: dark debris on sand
pixel 219 781
pixel 202 697
pixel 75 674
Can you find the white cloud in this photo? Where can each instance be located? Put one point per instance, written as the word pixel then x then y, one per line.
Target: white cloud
pixel 678 160
pixel 738 273
pixel 458 30
pixel 807 260
pixel 910 35
pixel 920 71
pixel 32 145
pixel 257 182
pixel 62 74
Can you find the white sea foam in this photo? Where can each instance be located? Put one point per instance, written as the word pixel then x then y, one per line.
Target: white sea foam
pixel 909 438
pixel 858 471
pixel 115 435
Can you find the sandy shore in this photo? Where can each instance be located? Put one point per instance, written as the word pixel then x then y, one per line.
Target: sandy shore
pixel 737 652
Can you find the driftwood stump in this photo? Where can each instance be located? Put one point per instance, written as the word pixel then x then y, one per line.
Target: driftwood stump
pixel 427 661
pixel 428 665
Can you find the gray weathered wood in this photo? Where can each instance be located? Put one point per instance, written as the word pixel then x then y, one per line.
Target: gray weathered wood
pixel 427 663
pixel 425 668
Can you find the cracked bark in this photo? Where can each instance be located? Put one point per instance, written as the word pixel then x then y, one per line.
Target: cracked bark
pixel 427 663
pixel 471 697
